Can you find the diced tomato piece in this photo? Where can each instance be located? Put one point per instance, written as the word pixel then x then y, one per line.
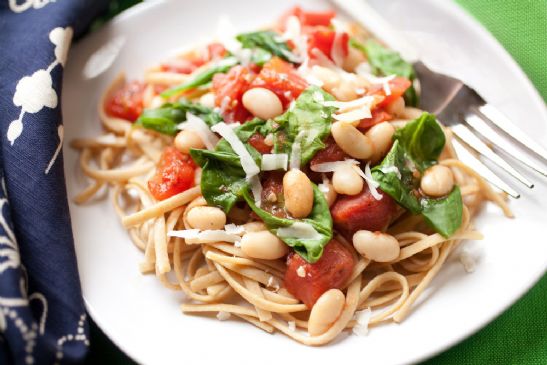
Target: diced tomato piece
pixel 216 51
pixel 307 18
pixel 174 174
pixel 272 194
pixel 126 102
pixel 398 86
pixel 379 115
pixel 351 213
pixel 331 271
pixel 281 78
pixel 257 141
pixel 330 153
pixel 229 89
pixel 323 40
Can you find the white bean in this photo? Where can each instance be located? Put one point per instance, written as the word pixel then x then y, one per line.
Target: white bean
pixel 346 180
pixel 262 103
pixel 207 100
pixel 381 136
pixel 329 192
pixel 254 227
pixel 377 246
pixel 353 59
pixel 187 139
pixel 204 217
pixel 298 193
pixel 411 113
pixel 263 245
pixel 437 181
pixel 345 91
pixel 325 311
pixel 352 141
pixel 329 78
pixel 396 107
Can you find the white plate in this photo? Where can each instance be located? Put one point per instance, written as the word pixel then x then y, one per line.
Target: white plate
pixel 144 319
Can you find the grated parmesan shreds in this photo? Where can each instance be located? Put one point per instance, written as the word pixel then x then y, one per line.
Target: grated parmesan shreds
pixel 274 161
pixel 247 162
pixel 333 166
pixel 296 151
pixel 467 260
pixel 362 319
pixel 256 189
pixel 223 316
pixel 301 230
pixel 372 184
pixel 206 236
pixel 390 169
pixel 301 271
pixel 198 126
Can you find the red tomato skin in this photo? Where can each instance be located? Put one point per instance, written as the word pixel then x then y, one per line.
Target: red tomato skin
pixel 323 39
pixel 330 153
pixel 272 185
pixel 257 141
pixel 174 174
pixel 331 271
pixel 281 78
pixel 352 213
pixel 229 89
pixel 398 87
pixel 379 115
pixel 126 102
pixel 307 18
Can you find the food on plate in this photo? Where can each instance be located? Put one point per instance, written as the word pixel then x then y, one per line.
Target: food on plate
pixel 285 176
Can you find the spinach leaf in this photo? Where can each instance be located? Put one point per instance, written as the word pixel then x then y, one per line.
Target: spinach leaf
pixel 309 117
pixel 319 218
pixel 166 118
pixel 396 179
pixel 267 41
pixel 444 215
pixel 384 62
pixel 423 140
pixel 203 77
pixel 222 177
pixel 419 144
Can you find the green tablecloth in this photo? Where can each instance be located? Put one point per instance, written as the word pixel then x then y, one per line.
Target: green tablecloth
pixel 518 336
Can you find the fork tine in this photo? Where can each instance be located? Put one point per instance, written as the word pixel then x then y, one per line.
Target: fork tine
pixel 474 142
pixel 473 162
pixel 480 126
pixel 502 122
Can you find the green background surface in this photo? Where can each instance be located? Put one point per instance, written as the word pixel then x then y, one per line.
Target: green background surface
pixel 518 336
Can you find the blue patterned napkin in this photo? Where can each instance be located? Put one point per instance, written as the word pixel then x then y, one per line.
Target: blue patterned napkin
pixel 42 317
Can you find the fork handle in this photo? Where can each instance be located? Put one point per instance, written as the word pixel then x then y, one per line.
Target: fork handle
pixel 365 14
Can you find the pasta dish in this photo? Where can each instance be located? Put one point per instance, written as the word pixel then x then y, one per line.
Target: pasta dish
pixel 285 177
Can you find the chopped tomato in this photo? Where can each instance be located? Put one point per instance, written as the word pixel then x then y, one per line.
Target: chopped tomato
pixel 330 153
pixel 216 51
pixel 174 174
pixel 281 78
pixel 323 39
pixel 398 86
pixel 272 194
pixel 379 115
pixel 331 271
pixel 126 102
pixel 351 213
pixel 307 18
pixel 229 89
pixel 257 141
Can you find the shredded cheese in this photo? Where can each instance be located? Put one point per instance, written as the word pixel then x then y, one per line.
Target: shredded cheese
pixel 372 184
pixel 467 260
pixel 362 319
pixel 247 162
pixel 390 169
pixel 300 230
pixel 256 189
pixel 301 271
pixel 223 316
pixel 274 161
pixel 197 125
pixel 206 236
pixel 296 151
pixel 333 166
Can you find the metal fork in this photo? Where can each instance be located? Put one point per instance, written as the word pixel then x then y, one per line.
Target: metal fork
pixel 470 117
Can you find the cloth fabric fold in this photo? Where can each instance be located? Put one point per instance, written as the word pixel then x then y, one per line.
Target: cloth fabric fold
pixel 42 316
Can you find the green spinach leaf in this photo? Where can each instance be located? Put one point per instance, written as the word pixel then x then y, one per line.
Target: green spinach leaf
pixel 267 41
pixel 384 62
pixel 319 218
pixel 166 118
pixel 308 120
pixel 203 77
pixel 418 145
pixel 444 215
pixel 423 140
